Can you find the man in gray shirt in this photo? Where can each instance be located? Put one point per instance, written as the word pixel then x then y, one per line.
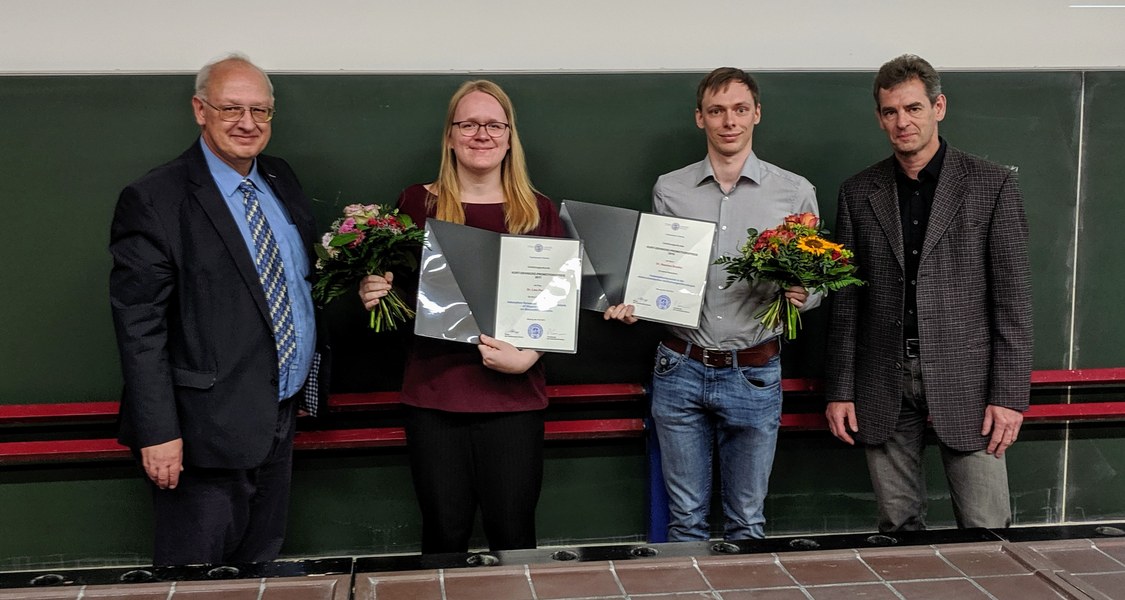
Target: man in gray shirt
pixel 721 383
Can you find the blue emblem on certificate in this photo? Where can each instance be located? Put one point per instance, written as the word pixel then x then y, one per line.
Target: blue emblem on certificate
pixel 663 302
pixel 535 331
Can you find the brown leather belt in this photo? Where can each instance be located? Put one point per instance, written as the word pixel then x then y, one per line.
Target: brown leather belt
pixel 747 357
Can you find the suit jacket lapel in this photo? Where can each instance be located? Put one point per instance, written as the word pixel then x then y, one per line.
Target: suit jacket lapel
pixel 884 201
pixel 948 197
pixel 208 197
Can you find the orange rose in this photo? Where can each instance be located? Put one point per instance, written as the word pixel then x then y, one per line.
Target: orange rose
pixel 805 219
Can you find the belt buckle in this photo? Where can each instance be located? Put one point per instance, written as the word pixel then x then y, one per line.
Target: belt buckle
pixel 911 348
pixel 717 358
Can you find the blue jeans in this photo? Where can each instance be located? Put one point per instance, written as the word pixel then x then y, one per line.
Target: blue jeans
pixel 695 408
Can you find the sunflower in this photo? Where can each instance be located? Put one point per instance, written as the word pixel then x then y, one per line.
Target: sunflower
pixel 816 245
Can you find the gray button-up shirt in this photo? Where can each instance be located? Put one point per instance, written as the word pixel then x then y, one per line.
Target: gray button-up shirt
pixel 762 198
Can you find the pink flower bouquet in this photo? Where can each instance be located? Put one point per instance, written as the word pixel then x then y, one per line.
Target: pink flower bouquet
pixel 367 241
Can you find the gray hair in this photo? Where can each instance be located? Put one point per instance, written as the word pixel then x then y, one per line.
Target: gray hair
pixel 905 68
pixel 203 78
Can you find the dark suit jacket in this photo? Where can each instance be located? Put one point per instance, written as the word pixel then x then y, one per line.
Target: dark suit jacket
pixel 193 328
pixel 974 301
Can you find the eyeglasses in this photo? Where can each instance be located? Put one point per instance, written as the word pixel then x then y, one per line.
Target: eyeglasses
pixel 260 114
pixel 470 128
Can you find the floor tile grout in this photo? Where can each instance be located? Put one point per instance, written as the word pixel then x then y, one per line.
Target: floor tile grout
pixel 616 578
pixel 971 580
pixel 784 569
pixel 1002 566
pixel 1109 556
pixel 695 565
pixel 530 583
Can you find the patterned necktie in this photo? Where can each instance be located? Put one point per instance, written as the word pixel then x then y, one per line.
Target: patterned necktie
pixel 271 272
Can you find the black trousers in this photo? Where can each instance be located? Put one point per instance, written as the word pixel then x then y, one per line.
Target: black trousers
pixel 228 516
pixel 462 461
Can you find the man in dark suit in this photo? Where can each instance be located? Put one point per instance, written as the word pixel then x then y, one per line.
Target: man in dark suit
pixel 215 326
pixel 942 330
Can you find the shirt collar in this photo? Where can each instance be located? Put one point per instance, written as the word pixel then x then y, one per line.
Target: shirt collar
pixel 226 178
pixel 932 170
pixel 751 169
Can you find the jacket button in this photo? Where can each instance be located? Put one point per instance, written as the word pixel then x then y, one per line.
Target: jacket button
pixel 898 365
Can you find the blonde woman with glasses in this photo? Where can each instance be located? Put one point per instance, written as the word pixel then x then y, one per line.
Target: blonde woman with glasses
pixel 474 414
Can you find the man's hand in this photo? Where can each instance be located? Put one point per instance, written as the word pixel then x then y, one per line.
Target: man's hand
pixel 374 287
pixel 797 295
pixel 163 463
pixel 1004 425
pixel 841 419
pixel 620 312
pixel 504 357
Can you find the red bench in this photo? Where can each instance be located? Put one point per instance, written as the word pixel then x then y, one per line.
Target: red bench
pixel 371 437
pixel 377 437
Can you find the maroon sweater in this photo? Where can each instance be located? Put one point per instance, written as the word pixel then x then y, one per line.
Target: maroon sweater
pixel 449 376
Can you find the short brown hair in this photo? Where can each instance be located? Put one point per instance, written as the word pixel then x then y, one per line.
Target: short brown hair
pixel 905 68
pixel 720 78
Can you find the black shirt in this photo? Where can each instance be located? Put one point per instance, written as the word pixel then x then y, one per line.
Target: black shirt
pixel 915 197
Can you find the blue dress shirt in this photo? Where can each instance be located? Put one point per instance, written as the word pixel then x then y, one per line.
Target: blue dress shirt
pixel 293 255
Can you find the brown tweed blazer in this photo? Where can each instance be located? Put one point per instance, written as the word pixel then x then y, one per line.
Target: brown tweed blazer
pixel 974 301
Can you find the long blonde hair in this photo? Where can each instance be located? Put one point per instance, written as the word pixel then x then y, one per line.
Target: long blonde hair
pixel 521 209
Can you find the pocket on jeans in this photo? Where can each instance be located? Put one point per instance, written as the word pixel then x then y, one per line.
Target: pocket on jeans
pixel 666 361
pixel 766 378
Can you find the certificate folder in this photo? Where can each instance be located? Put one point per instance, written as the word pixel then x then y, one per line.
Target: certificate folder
pixel 607 238
pixel 657 263
pixel 520 289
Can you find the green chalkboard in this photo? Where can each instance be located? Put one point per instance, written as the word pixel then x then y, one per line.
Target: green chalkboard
pixel 68 144
pixel 71 143
pixel 1099 327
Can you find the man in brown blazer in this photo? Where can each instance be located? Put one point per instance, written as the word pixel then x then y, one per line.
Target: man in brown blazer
pixel 942 330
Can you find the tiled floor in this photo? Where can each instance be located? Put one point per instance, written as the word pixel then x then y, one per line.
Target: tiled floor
pixel 282 588
pixel 1072 569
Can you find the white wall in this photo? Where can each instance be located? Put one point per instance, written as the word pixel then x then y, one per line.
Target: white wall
pixel 78 36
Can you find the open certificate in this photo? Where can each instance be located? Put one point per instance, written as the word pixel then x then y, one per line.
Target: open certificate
pixel 668 269
pixel 537 305
pixel 520 289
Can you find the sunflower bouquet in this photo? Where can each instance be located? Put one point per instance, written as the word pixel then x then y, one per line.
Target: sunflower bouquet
pixel 793 253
